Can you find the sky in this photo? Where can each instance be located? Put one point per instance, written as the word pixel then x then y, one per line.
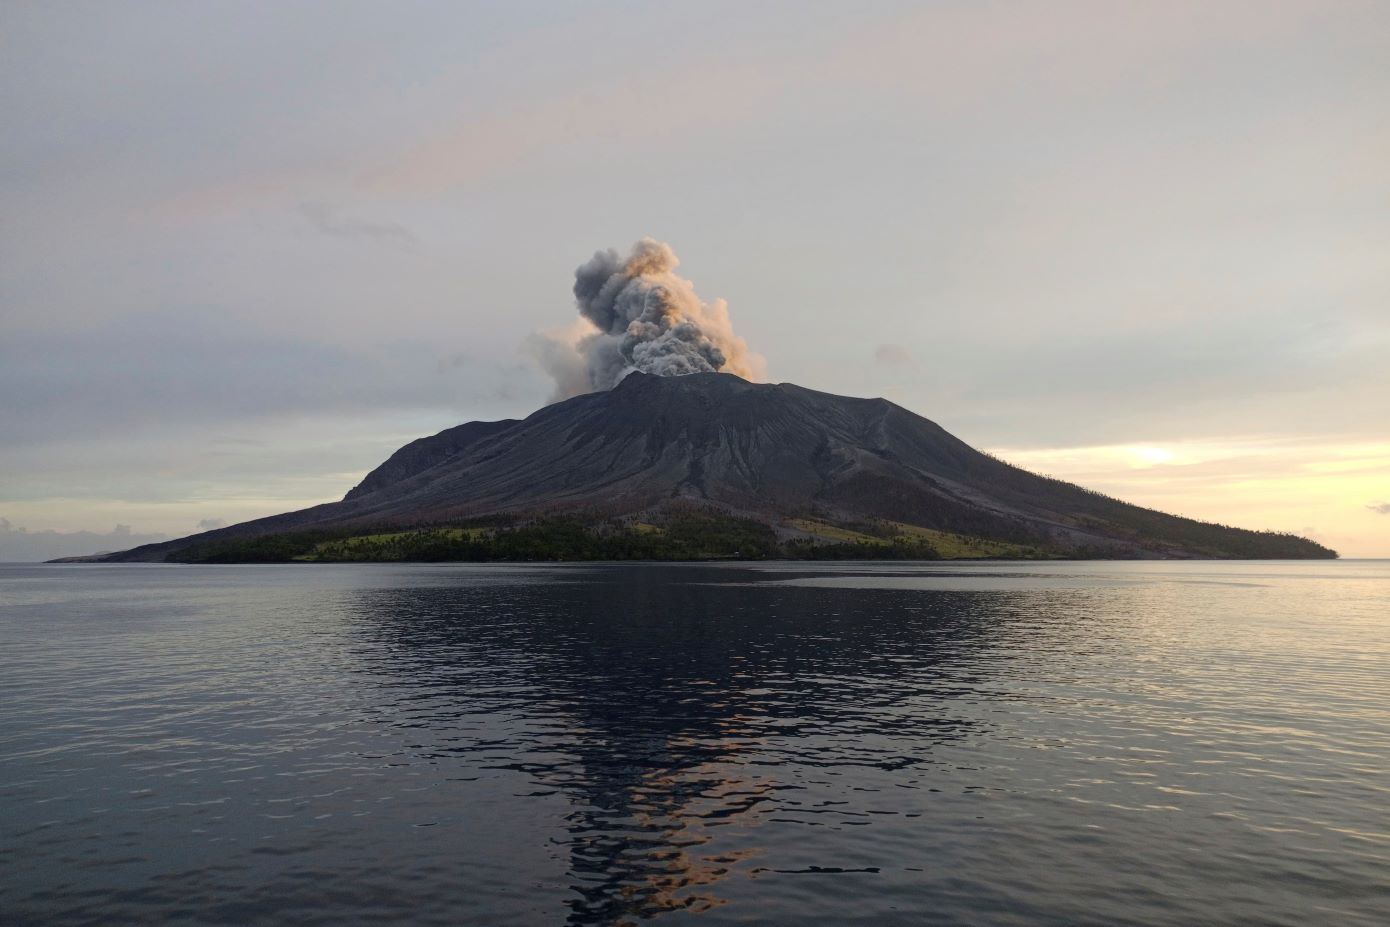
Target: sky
pixel 248 249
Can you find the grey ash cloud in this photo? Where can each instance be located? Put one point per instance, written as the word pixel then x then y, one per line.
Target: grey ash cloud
pixel 1380 508
pixel 329 220
pixel 640 316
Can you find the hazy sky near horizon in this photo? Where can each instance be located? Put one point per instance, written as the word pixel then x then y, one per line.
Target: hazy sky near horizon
pixel 249 249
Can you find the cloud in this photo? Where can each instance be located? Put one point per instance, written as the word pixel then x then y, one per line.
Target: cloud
pixel 637 315
pixel 1256 481
pixel 20 545
pixel 559 354
pixel 328 220
pixel 210 524
pixel 199 366
pixel 893 355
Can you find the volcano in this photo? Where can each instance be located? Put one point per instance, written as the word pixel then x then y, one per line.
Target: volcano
pixel 807 465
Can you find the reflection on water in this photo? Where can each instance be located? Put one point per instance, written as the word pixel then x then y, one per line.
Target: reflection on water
pixel 665 706
pixel 1075 743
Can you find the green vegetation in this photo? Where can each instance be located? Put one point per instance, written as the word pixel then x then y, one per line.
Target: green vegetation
pixel 964 547
pixel 840 533
pixel 1156 531
pixel 394 545
pixel 687 534
pixel 693 535
pixel 270 548
pixel 893 549
pixel 895 540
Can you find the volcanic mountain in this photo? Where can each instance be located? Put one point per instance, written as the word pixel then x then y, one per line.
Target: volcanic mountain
pixel 804 463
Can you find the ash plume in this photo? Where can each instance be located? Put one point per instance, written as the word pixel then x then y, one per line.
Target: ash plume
pixel 636 314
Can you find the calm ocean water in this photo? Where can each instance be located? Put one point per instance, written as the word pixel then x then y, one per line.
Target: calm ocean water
pixel 1081 743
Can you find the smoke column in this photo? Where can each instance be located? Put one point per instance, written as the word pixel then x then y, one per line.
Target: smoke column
pixel 636 314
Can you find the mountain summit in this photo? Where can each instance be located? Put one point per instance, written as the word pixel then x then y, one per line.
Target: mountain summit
pixel 810 466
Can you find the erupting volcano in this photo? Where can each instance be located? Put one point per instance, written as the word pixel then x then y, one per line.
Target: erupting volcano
pixel 658 426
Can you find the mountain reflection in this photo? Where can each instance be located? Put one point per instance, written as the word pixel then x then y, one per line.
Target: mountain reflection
pixel 665 703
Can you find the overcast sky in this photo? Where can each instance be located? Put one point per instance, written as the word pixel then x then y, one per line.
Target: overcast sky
pixel 247 250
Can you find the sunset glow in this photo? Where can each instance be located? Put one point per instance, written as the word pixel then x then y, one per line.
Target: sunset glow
pixel 1134 245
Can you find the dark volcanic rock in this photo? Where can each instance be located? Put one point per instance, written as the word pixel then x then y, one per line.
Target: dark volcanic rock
pixel 423 453
pixel 768 451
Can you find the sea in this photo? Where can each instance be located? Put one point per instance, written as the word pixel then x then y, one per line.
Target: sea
pixel 1063 743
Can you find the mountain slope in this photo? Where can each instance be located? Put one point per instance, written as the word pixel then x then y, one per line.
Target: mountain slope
pixel 422 453
pixel 770 452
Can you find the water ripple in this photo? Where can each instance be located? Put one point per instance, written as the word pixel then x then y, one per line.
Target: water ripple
pixel 991 743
